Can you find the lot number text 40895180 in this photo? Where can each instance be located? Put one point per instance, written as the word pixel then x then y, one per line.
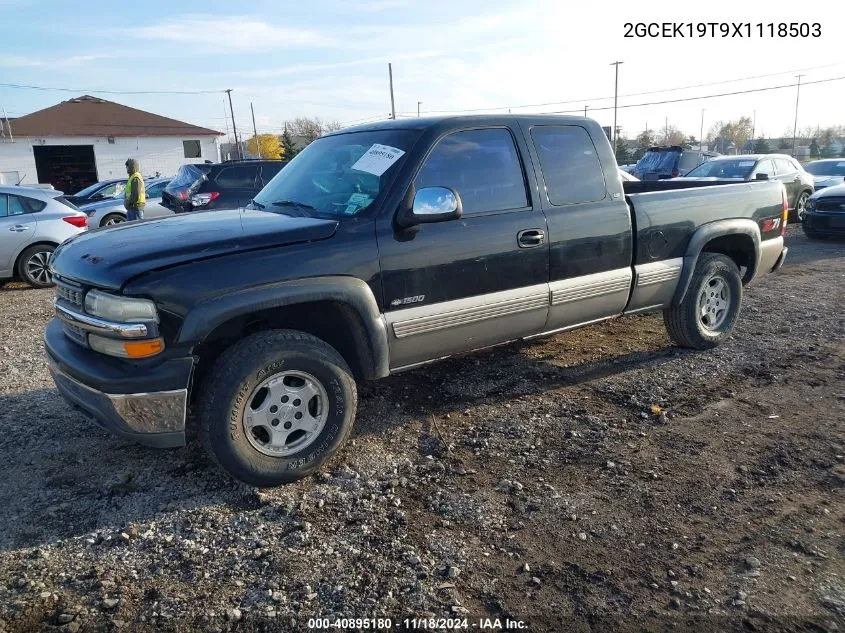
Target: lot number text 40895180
pixel 722 29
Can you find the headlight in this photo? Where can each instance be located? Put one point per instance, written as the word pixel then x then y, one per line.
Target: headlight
pixel 120 309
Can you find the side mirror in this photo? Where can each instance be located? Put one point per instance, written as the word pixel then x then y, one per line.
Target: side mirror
pixel 432 204
pixel 761 177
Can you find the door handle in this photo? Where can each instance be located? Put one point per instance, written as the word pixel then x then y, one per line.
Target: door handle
pixel 18 228
pixel 529 238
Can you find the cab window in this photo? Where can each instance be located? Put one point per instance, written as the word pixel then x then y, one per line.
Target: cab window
pixel 482 166
pixel 571 168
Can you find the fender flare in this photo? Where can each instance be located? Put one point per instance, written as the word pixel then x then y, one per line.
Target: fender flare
pixel 206 316
pixel 711 231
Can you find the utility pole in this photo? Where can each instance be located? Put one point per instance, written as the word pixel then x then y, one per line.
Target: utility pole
pixel 418 109
pixel 392 103
pixel 585 110
pixel 615 97
pixel 8 125
pixel 701 131
pixel 795 126
pixel 255 131
pixel 234 127
pixel 753 130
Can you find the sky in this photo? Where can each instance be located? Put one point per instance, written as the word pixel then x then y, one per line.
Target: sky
pixel 329 58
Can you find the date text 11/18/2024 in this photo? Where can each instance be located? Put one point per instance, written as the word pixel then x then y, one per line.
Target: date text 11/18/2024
pixel 417 624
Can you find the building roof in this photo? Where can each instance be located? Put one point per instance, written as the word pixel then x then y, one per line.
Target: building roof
pixel 92 116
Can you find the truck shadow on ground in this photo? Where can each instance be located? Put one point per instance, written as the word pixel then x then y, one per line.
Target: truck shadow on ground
pixel 72 479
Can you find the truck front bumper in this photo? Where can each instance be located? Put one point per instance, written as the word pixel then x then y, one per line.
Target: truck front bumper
pixel 147 405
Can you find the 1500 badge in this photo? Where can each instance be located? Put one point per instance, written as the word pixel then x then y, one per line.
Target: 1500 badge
pixel 407 301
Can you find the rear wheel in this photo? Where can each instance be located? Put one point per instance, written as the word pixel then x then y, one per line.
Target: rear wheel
pixel 710 309
pixel 276 406
pixel 34 266
pixel 112 219
pixel 801 206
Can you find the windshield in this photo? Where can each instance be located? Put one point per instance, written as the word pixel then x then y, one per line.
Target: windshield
pixel 185 177
pixel 337 176
pixel 89 190
pixel 658 160
pixel 724 169
pixel 826 168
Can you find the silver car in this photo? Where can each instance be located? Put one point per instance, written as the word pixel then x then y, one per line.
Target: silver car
pixel 109 212
pixel 32 223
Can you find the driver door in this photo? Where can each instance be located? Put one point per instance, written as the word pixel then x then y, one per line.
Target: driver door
pixel 478 280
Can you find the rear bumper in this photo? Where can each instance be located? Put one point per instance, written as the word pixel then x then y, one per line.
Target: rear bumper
pixel 772 254
pixel 146 404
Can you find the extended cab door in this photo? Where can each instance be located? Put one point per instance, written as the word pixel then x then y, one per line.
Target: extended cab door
pixel 476 281
pixel 589 222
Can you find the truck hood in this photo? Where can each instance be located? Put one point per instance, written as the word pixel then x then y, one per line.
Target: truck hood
pixel 110 257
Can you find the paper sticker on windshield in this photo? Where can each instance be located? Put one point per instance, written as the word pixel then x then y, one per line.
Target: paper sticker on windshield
pixel 746 163
pixel 356 202
pixel 378 159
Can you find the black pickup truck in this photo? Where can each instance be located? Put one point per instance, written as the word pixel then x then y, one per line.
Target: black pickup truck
pixel 377 249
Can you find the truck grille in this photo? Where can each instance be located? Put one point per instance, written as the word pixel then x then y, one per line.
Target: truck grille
pixel 69 291
pixel 831 205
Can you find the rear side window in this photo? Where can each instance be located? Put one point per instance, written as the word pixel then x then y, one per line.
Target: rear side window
pixel 689 160
pixel 765 167
pixel 19 205
pixel 783 166
pixel 482 166
pixel 570 164
pixel 237 177
pixel 268 170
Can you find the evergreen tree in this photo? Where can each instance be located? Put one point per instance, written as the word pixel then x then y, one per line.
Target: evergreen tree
pixel 761 146
pixel 814 149
pixel 288 146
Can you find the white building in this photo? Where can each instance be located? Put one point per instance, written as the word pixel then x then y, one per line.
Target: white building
pixel 87 139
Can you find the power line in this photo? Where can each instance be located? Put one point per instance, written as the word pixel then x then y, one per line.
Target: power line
pixel 723 94
pixel 633 94
pixel 113 92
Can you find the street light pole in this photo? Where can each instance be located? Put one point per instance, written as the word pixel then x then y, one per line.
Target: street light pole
pixel 615 98
pixel 795 126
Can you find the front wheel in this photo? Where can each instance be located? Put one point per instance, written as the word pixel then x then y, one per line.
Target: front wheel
pixel 34 266
pixel 276 406
pixel 710 309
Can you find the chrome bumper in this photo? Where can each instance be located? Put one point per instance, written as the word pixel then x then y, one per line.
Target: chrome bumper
pixel 155 419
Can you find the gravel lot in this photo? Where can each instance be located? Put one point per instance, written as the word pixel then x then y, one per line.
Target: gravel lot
pixel 582 482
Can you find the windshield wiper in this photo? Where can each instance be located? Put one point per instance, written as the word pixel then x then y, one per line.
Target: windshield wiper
pixel 293 203
pixel 257 205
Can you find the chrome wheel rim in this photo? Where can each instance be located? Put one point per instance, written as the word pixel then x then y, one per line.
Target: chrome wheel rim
pixel 115 219
pixel 801 206
pixel 38 267
pixel 285 413
pixel 714 303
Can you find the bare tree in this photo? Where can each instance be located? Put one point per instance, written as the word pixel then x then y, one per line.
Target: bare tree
pixel 310 128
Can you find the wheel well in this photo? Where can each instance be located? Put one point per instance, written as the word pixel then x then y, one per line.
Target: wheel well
pixel 334 322
pixel 26 248
pixel 740 248
pixel 103 219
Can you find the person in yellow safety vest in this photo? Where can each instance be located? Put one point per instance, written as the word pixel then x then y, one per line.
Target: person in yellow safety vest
pixel 134 195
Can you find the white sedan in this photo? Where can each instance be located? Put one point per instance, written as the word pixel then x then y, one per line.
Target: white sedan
pixel 109 212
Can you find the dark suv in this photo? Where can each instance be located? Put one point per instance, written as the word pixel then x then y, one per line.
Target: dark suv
pixel 227 185
pixel 669 162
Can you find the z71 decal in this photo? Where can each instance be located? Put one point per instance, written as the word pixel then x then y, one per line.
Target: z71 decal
pixel 407 301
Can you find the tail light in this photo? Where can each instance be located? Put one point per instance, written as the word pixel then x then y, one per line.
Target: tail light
pixel 79 221
pixel 183 195
pixel 675 173
pixel 202 199
pixel 785 215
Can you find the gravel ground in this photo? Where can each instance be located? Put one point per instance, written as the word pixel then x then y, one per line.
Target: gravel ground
pixel 588 481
